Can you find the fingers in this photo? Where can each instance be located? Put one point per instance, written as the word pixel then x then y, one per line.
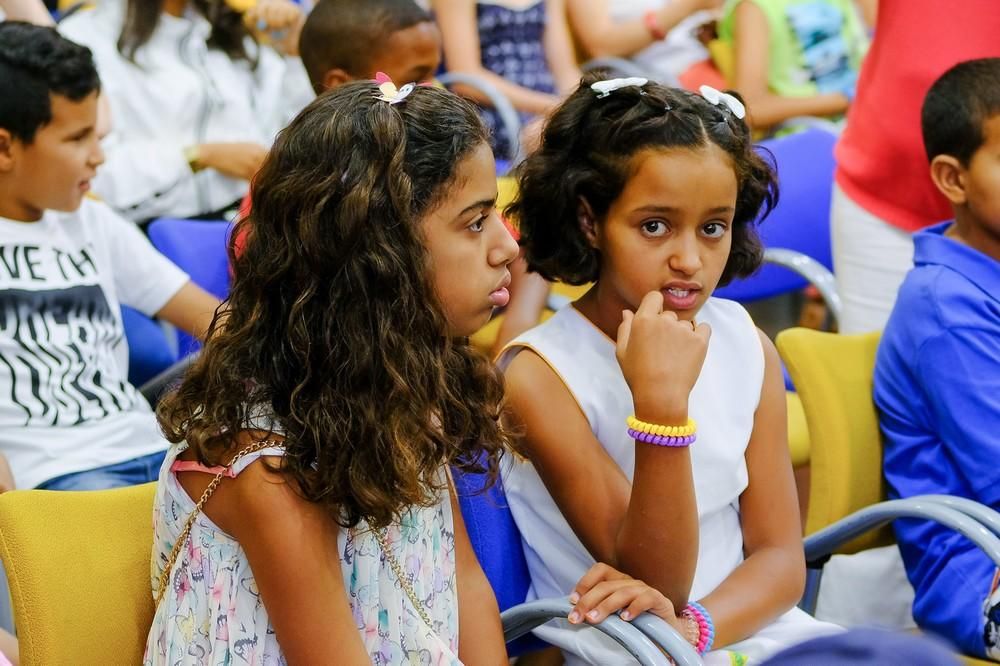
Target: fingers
pixel 703 331
pixel 597 573
pixel 652 304
pixel 624 329
pixel 611 596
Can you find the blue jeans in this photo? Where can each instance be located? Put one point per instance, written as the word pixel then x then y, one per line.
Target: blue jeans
pixel 129 473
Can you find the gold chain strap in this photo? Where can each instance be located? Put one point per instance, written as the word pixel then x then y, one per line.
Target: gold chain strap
pixel 186 532
pixel 405 582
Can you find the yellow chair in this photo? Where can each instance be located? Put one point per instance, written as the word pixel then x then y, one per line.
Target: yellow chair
pixel 834 377
pixel 78 566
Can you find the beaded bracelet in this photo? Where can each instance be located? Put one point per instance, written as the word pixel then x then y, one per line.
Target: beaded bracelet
pixel 685 430
pixel 661 440
pixel 706 628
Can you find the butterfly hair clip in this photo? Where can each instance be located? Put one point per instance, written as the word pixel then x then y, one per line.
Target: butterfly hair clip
pixel 388 91
pixel 719 98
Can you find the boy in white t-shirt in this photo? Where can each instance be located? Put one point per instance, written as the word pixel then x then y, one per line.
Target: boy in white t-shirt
pixel 69 419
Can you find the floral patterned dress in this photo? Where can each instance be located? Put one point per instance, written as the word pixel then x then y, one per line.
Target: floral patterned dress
pixel 213 613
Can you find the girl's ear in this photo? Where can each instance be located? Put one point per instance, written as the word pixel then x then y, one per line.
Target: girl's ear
pixel 585 216
pixel 948 175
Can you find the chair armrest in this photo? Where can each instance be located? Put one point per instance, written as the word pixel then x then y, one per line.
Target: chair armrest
pixel 981 513
pixel 158 385
pixel 668 639
pixel 522 618
pixel 814 272
pixel 509 117
pixel 824 542
pixel 623 67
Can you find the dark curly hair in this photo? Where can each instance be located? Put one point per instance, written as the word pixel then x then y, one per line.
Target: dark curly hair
pixel 332 325
pixel 585 151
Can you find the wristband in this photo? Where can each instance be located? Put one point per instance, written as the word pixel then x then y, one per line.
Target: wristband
pixel 685 430
pixel 706 628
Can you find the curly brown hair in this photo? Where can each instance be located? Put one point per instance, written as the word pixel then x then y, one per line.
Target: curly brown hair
pixel 585 154
pixel 332 324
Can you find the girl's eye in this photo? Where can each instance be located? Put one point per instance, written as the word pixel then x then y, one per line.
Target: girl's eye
pixel 714 230
pixel 654 228
pixel 477 224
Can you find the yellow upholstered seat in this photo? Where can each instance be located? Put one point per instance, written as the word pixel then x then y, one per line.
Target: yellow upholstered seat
pixel 78 564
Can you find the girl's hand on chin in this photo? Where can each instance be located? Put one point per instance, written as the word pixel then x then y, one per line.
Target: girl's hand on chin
pixel 661 357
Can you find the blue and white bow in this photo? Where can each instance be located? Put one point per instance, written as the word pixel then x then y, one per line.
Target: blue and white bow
pixel 605 88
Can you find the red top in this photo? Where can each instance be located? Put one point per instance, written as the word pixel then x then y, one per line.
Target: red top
pixel 881 163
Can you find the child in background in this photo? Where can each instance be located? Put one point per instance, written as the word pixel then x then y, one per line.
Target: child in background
pixel 195 100
pixel 794 57
pixel 652 193
pixel 523 47
pixel 69 419
pixel 937 373
pixel 358 411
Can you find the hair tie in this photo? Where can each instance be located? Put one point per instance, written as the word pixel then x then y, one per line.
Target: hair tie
pixel 719 98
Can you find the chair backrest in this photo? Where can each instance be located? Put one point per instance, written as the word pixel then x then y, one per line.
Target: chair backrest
pixel 497 542
pixel 801 220
pixel 78 566
pixel 149 351
pixel 833 374
pixel 199 248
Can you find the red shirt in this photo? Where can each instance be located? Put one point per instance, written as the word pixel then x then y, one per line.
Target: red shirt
pixel 881 163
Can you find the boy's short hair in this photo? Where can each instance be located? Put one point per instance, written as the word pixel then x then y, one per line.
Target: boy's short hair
pixel 36 62
pixel 346 34
pixel 957 106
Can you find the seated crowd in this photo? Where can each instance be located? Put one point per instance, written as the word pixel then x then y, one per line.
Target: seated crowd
pixel 639 433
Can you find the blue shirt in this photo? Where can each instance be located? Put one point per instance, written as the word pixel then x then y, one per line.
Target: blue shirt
pixel 937 389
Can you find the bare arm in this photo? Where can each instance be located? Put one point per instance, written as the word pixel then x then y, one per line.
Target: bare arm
pixel 191 309
pixel 620 523
pixel 751 57
pixel 771 578
pixel 601 36
pixel 31 11
pixel 302 587
pixel 559 52
pixel 457 21
pixel 480 635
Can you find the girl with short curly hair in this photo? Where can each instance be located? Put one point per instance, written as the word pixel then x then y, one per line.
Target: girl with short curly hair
pixel 653 414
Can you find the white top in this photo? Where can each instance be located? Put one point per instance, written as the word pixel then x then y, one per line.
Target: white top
pixel 668 58
pixel 723 402
pixel 65 401
pixel 181 93
pixel 213 615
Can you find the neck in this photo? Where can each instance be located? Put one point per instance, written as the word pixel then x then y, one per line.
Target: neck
pixel 175 7
pixel 14 209
pixel 970 231
pixel 603 307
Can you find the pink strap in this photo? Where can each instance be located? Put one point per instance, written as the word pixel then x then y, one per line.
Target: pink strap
pixel 194 466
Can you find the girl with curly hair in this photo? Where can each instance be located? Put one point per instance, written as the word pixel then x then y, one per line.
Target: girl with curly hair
pixel 335 388
pixel 653 414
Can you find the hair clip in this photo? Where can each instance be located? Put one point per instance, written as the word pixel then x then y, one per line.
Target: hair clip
pixel 719 98
pixel 388 91
pixel 605 88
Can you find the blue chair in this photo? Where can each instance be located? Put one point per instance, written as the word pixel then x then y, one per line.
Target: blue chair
pixel 149 351
pixel 796 235
pixel 199 248
pixel 497 542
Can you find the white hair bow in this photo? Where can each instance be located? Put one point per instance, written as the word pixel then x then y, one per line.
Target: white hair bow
pixel 605 88
pixel 718 97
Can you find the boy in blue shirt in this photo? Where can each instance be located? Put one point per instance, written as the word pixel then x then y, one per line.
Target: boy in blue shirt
pixel 937 375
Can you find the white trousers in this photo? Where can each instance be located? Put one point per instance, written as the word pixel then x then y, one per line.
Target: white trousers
pixel 870 260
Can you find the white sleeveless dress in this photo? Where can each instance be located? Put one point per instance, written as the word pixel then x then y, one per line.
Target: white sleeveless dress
pixel 723 402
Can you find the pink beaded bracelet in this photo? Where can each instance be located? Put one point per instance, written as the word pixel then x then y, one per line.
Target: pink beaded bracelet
pixel 706 628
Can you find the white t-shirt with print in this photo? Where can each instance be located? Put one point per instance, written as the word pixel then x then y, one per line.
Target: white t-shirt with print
pixel 65 401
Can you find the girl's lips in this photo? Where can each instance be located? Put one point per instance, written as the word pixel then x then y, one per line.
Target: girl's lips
pixel 679 299
pixel 85 186
pixel 500 298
